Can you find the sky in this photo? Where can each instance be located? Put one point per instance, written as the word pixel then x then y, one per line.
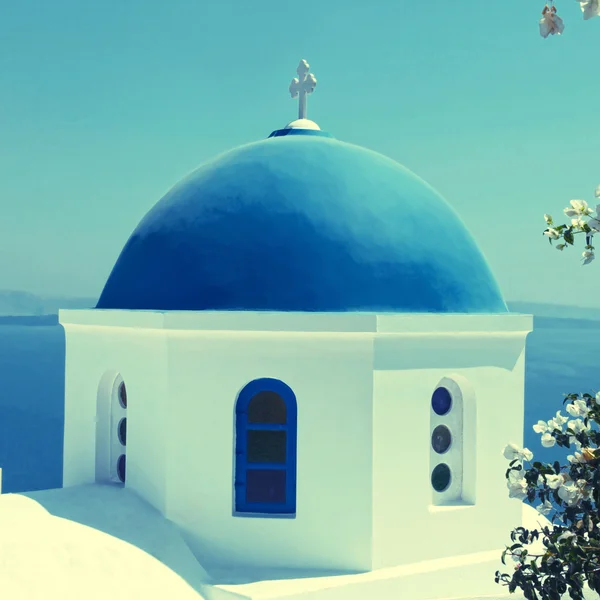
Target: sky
pixel 104 106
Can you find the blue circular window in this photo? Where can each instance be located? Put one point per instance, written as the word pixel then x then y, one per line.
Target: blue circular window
pixel 441 401
pixel 441 439
pixel 441 477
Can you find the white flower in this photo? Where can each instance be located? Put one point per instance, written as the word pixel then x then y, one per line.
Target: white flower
pixel 577 426
pixel 548 218
pixel 545 508
pixel 512 452
pixel 578 408
pixel 576 458
pixel 550 23
pixel 570 493
pixel 558 421
pixel 567 535
pixel 577 223
pixel 517 485
pixel 588 256
pixel 597 194
pixel 554 481
pixel 597 398
pixel 548 441
pixel 578 208
pixel 552 233
pixel 541 427
pixel 594 222
pixel 590 8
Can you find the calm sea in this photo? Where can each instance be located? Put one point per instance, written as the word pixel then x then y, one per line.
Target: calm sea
pixel 563 355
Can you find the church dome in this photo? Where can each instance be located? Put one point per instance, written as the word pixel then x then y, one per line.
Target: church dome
pixel 302 222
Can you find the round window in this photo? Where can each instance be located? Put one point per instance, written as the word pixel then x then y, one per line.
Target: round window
pixel 121 464
pixel 123 395
pixel 441 401
pixel 440 477
pixel 441 439
pixel 122 431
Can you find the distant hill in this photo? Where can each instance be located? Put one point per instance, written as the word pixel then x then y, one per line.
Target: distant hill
pixel 555 311
pixel 16 303
pixel 24 304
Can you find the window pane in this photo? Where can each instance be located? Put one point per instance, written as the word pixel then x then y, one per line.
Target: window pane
pixel 440 478
pixel 265 486
pixel 122 431
pixel 266 446
pixel 121 467
pixel 441 438
pixel 123 395
pixel 441 401
pixel 267 407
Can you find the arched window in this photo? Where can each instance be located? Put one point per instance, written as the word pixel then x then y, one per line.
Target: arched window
pixel 453 428
pixel 118 433
pixel 265 448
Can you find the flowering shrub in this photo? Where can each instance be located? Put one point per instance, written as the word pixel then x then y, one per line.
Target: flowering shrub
pixel 572 547
pixel 578 211
pixel 552 24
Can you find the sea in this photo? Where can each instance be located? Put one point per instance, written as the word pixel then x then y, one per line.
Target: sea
pixel 562 356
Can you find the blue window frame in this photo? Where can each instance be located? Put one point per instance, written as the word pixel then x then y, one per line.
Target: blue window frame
pixel 265 448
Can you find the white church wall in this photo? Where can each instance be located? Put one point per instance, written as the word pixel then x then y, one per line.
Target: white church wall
pixel 105 442
pixel 95 357
pixel 331 376
pixel 408 368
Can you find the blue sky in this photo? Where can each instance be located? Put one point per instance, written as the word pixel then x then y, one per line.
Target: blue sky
pixel 105 105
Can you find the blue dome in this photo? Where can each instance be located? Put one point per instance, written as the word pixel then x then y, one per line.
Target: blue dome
pixel 302 223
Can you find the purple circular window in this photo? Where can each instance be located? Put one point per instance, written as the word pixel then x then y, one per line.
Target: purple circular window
pixel 122 431
pixel 441 438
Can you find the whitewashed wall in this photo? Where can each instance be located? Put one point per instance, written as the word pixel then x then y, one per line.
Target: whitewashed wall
pixel 94 356
pixel 331 376
pixel 407 527
pixel 363 385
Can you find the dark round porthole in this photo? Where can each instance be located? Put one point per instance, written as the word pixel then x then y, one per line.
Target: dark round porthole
pixel 441 401
pixel 122 431
pixel 440 477
pixel 123 395
pixel 121 464
pixel 441 438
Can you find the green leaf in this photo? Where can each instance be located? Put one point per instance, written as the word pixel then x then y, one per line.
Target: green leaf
pixel 568 236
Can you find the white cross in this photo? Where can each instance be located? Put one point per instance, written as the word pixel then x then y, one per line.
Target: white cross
pixel 302 85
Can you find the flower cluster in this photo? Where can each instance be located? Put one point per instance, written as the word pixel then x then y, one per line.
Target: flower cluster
pixel 572 549
pixel 552 24
pixel 578 211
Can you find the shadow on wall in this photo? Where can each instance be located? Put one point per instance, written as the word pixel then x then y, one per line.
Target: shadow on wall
pixel 32 376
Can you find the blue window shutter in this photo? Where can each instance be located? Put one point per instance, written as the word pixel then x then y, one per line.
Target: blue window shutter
pixel 258 485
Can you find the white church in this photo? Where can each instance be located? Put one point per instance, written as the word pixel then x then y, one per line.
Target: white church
pixel 297 383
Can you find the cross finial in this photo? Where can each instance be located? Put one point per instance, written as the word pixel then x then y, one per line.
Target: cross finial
pixel 302 85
